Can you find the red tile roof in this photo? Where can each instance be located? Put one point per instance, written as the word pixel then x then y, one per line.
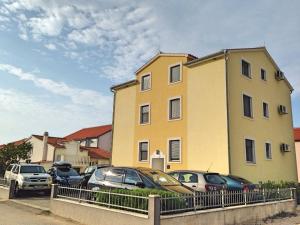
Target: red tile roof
pixel 96 153
pixel 297 134
pixel 56 142
pixel 90 132
pixel 16 143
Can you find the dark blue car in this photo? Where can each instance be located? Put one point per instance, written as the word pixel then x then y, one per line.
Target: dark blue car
pixel 238 183
pixel 62 173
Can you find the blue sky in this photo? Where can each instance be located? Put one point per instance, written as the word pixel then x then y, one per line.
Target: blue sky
pixel 59 58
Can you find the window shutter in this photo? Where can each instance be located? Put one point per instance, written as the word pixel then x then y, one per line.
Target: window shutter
pixel 175 109
pixel 174 148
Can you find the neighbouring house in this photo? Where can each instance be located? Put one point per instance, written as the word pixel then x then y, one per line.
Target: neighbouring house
pixel 228 112
pixel 83 148
pixel 297 145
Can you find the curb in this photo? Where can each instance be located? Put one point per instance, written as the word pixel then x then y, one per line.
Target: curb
pixel 30 205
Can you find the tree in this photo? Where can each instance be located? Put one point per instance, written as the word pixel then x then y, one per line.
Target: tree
pixel 12 153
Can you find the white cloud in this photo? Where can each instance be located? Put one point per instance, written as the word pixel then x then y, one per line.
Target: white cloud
pixel 22 115
pixel 122 30
pixel 78 96
pixel 50 46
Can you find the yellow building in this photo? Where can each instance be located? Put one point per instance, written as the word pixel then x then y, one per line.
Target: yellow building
pixel 228 112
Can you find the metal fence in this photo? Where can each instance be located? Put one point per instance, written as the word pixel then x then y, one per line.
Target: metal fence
pixel 217 199
pixel 3 182
pixel 107 198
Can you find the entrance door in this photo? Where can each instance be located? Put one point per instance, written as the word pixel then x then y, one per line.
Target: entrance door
pixel 158 164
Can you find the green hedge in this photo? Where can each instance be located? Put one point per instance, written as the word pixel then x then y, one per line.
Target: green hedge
pixel 282 184
pixel 120 201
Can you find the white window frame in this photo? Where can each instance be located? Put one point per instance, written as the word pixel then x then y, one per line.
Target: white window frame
pixel 140 112
pixel 168 150
pixel 141 79
pixel 252 111
pixel 180 108
pixel 169 73
pixel 263 109
pixel 265 74
pixel 138 151
pixel 268 142
pixel 250 70
pixel 254 151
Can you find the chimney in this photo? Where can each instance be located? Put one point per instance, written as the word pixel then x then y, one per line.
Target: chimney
pixel 45 146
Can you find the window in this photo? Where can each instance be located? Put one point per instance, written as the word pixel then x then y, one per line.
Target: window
pixel 263 74
pixel 246 69
pixel 143 151
pixel 145 82
pixel 247 101
pixel 88 142
pixel 175 74
pixel 174 150
pixel 132 178
pixel 175 108
pixel 268 151
pixel 144 114
pixel 114 175
pixel 250 152
pixel 266 110
pixel 186 177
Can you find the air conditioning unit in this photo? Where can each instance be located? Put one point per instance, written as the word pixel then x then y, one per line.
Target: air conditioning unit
pixel 285 147
pixel 279 75
pixel 282 109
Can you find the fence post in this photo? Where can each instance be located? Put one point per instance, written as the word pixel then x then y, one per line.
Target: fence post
pixel 109 197
pixel 54 190
pixel 245 197
pixel 12 186
pixel 264 196
pixel 154 209
pixel 222 196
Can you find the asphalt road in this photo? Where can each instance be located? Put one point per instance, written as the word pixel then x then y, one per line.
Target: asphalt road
pixel 15 214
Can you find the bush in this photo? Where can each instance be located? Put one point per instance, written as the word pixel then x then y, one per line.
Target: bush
pixel 282 184
pixel 121 198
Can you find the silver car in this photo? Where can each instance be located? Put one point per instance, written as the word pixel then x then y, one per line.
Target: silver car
pixel 200 180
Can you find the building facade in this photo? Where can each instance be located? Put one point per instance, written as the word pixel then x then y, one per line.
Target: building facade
pixel 297 145
pixel 228 112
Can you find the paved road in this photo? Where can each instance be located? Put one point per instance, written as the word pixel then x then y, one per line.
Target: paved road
pixel 15 214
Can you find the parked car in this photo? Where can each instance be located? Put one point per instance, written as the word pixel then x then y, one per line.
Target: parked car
pixel 88 172
pixel 62 173
pixel 8 173
pixel 30 177
pixel 238 183
pixel 134 178
pixel 199 180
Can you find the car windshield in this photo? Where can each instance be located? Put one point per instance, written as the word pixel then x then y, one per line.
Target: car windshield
pixel 66 172
pixel 214 178
pixel 161 178
pixel 32 169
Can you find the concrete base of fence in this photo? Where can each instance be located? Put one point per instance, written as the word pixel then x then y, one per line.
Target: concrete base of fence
pixel 94 215
pixel 4 193
pixel 231 215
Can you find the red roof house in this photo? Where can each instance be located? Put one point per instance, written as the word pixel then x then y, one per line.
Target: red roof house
pixel 297 134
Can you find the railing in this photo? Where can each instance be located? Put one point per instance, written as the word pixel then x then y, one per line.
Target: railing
pixel 106 198
pixel 218 199
pixel 3 182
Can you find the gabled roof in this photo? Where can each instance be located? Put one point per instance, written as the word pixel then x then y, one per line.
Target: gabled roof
pixel 224 51
pixel 90 132
pixel 124 85
pixel 159 54
pixel 297 134
pixel 96 153
pixel 56 142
